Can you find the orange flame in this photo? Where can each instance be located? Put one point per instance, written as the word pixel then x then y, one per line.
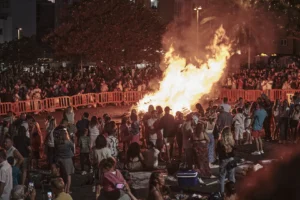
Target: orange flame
pixel 183 83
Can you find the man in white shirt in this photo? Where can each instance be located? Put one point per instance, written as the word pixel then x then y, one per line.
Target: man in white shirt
pixel 6 183
pixel 152 131
pixel 225 105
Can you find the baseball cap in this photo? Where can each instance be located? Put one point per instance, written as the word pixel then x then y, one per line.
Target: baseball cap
pixel 167 108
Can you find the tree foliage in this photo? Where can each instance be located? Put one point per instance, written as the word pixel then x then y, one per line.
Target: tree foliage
pixel 254 22
pixel 112 32
pixel 26 51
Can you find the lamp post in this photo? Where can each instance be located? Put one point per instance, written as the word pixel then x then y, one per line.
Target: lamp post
pixel 197 9
pixel 19 33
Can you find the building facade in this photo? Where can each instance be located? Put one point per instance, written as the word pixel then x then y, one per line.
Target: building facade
pixel 45 18
pixel 14 21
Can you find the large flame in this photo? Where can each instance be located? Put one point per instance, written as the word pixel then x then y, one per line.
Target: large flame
pixel 183 83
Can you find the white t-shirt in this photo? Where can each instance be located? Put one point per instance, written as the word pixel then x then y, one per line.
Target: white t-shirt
pixel 151 158
pixel 6 178
pixel 150 123
pixel 226 107
pixel 26 126
pixel 101 154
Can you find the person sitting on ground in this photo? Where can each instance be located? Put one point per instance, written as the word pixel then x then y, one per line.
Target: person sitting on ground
pixel 58 187
pixel 135 159
pixel 230 193
pixel 151 156
pixel 19 193
pixel 58 171
pixel 157 188
pixel 114 186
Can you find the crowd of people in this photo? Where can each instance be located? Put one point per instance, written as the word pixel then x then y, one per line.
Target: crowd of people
pixel 267 78
pixel 205 139
pixel 45 82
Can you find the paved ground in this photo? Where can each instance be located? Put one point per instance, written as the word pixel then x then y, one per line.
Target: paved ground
pixel 81 185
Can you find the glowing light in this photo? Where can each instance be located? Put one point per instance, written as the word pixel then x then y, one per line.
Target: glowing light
pixel 183 83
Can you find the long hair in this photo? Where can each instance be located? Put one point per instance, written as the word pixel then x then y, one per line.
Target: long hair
pixel 94 121
pixel 227 140
pixel 133 151
pixel 153 180
pixel 52 124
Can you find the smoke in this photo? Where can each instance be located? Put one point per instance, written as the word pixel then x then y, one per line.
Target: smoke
pixel 247 24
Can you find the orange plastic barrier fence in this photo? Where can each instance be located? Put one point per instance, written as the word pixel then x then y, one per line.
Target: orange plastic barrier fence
pixel 93 99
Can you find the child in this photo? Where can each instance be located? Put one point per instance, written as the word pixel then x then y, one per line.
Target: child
pixel 248 120
pixel 84 144
pixel 16 173
pixel 239 125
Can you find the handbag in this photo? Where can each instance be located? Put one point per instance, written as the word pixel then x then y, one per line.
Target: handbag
pixel 231 164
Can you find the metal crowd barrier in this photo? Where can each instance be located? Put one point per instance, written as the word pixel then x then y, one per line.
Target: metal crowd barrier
pixel 94 99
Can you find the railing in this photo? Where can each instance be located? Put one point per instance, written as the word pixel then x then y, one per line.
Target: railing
pixel 92 99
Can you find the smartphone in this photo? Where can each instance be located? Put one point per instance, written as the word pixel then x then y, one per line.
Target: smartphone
pixel 120 186
pixel 31 186
pixel 49 195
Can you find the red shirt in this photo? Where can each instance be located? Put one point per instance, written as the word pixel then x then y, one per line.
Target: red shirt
pixel 111 179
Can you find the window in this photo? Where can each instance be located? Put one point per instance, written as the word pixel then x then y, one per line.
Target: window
pixel 284 42
pixel 154 3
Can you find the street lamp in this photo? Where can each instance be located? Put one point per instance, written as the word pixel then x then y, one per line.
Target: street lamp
pixel 19 33
pixel 197 9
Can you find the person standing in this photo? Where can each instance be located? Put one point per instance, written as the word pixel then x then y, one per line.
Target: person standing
pixel 167 123
pixel 178 124
pixel 22 144
pixel 225 105
pixel 257 130
pixel 239 126
pixel 6 180
pixel 11 151
pixel 64 150
pixel 49 140
pixel 36 141
pixel 225 150
pixel 82 124
pixel 94 130
pixel 84 144
pixel 152 130
pixel 284 121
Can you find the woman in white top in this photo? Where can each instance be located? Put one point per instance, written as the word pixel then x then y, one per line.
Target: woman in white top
pixel 94 129
pixel 209 129
pixel 100 152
